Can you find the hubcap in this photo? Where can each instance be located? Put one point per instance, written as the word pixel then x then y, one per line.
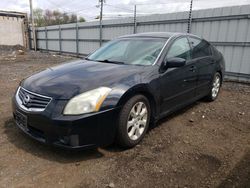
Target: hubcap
pixel 137 120
pixel 216 86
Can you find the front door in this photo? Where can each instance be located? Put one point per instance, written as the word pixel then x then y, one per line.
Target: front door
pixel 178 84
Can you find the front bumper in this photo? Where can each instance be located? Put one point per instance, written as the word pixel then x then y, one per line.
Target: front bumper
pixel 71 132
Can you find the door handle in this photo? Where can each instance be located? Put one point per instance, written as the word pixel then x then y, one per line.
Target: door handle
pixel 192 68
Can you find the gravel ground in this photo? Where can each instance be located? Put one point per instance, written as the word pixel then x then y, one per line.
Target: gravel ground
pixel 204 145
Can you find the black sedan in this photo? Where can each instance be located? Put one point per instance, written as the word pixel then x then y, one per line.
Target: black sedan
pixel 118 91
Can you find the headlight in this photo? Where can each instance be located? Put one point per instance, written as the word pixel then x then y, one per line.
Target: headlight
pixel 89 101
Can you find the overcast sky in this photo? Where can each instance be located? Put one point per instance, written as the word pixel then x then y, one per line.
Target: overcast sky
pixel 116 8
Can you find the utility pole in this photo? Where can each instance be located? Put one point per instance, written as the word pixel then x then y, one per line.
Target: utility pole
pixel 190 17
pixel 135 22
pixel 101 11
pixel 33 27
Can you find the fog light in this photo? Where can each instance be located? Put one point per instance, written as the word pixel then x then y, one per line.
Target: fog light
pixel 64 140
pixel 74 140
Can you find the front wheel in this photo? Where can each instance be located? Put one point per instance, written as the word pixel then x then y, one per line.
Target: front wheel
pixel 215 88
pixel 133 121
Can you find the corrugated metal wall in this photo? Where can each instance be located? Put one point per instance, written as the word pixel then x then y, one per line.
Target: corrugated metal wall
pixel 227 28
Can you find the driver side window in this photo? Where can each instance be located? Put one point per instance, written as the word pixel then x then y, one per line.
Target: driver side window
pixel 180 48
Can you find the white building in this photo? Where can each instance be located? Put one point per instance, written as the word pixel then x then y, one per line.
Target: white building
pixel 13 28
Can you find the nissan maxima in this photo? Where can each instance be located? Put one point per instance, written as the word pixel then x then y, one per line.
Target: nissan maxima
pixel 118 91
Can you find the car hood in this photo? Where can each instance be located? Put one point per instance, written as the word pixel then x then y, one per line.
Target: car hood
pixel 71 79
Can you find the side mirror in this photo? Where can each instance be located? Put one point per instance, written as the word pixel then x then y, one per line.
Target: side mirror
pixel 174 62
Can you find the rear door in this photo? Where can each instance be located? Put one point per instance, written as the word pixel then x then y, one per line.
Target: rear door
pixel 202 55
pixel 178 84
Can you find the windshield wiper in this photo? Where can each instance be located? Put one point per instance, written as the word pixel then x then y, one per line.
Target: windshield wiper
pixel 88 59
pixel 110 61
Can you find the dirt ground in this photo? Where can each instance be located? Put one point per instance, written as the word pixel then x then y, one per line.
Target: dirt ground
pixel 204 145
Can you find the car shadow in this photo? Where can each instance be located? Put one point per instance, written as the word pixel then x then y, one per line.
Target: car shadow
pixel 174 114
pixel 24 142
pixel 115 148
pixel 239 176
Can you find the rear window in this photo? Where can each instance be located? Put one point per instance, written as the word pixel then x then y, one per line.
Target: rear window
pixel 200 48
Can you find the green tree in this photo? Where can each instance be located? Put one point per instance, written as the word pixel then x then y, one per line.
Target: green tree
pixel 81 19
pixel 65 18
pixel 57 17
pixel 38 17
pixel 73 18
pixel 48 17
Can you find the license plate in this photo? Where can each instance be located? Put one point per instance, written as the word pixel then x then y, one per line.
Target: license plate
pixel 21 120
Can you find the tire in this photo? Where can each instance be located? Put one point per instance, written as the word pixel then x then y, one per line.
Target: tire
pixel 132 126
pixel 215 87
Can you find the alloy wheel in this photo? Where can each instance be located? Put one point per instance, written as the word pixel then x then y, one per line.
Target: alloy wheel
pixel 137 120
pixel 216 86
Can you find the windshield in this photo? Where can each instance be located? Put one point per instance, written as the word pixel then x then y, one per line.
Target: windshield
pixel 137 51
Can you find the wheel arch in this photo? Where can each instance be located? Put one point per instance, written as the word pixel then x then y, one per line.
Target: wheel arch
pixel 140 90
pixel 221 75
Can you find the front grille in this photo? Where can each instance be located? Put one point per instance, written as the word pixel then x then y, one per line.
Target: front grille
pixel 31 101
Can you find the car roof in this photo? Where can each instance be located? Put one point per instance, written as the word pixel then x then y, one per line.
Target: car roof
pixel 158 35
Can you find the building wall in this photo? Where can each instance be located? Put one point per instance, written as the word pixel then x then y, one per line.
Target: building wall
pixel 11 31
pixel 227 28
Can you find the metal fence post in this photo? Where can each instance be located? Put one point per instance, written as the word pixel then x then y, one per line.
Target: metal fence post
pixel 190 17
pixel 46 38
pixel 100 35
pixel 135 21
pixel 77 40
pixel 30 38
pixel 36 40
pixel 60 40
pixel 100 21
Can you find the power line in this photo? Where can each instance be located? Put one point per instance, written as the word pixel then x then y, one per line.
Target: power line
pixel 119 7
pixel 70 12
pixel 152 3
pixel 69 2
pixel 87 8
pixel 51 2
pixel 132 11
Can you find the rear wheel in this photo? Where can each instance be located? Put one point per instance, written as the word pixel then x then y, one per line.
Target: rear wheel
pixel 133 121
pixel 215 88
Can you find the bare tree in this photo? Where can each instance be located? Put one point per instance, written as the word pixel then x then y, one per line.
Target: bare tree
pixel 54 17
